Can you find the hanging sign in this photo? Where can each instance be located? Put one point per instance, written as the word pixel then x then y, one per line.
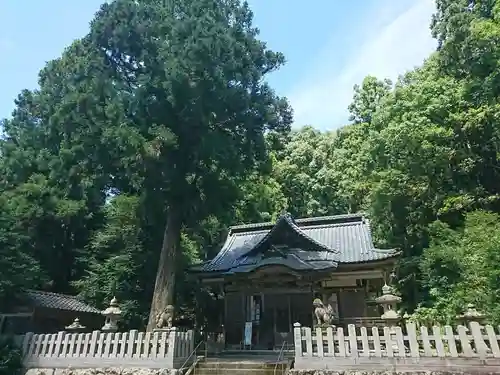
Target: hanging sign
pixel 248 333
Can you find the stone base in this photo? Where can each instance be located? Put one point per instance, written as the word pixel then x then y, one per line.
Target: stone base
pixel 325 326
pixel 101 371
pixel 162 329
pixel 379 372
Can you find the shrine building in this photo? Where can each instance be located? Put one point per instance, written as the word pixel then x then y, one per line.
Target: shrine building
pixel 270 273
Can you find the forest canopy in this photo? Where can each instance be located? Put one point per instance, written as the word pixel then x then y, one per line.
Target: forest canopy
pixel 145 141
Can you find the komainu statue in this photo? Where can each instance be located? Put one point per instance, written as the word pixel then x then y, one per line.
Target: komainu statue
pixel 165 318
pixel 324 315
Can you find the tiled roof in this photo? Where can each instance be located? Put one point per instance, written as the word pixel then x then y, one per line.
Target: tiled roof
pixel 58 301
pixel 341 239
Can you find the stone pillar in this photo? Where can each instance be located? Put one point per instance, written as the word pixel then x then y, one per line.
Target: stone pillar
pixel 297 338
pixel 171 349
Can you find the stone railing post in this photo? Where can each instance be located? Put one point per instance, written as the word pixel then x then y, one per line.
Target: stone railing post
pixel 93 343
pixel 191 341
pixel 59 342
pixel 297 339
pixel 28 337
pixel 172 346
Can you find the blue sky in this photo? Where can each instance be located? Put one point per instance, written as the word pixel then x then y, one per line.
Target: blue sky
pixel 329 44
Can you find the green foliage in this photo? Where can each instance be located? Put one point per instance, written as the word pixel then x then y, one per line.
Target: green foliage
pixel 461 267
pixel 10 358
pixel 368 98
pixel 18 262
pixel 116 256
pixel 300 169
pixel 167 118
pixel 189 77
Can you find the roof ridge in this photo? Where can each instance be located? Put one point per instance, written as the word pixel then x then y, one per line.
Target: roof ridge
pixel 359 215
pixel 331 219
pixel 53 294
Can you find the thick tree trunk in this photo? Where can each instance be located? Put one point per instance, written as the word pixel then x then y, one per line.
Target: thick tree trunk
pixel 163 294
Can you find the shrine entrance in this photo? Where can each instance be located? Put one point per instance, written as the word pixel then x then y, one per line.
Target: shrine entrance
pixel 269 318
pixel 283 310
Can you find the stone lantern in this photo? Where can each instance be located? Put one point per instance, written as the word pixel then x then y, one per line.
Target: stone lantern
pixel 75 326
pixel 112 315
pixel 474 321
pixel 406 317
pixel 391 316
pixel 389 301
pixel 472 315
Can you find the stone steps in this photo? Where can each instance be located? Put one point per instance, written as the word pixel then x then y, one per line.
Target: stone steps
pixel 240 367
pixel 225 371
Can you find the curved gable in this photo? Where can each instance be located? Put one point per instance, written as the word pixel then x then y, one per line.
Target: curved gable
pixel 286 233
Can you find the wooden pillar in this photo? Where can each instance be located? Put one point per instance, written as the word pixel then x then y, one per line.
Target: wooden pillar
pixel 244 303
pixel 225 309
pixel 365 292
pixel 289 300
pixel 275 315
pixel 224 314
pixel 312 309
pixel 340 303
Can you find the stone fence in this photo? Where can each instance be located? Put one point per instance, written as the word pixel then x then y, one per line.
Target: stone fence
pixel 167 349
pixel 403 349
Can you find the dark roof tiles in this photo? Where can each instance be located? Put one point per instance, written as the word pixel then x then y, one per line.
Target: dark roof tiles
pixel 342 239
pixel 59 301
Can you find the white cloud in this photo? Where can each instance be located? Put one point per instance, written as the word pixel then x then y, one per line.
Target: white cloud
pixel 386 51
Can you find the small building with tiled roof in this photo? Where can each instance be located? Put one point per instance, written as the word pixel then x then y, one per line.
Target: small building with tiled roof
pixel 46 312
pixel 270 273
